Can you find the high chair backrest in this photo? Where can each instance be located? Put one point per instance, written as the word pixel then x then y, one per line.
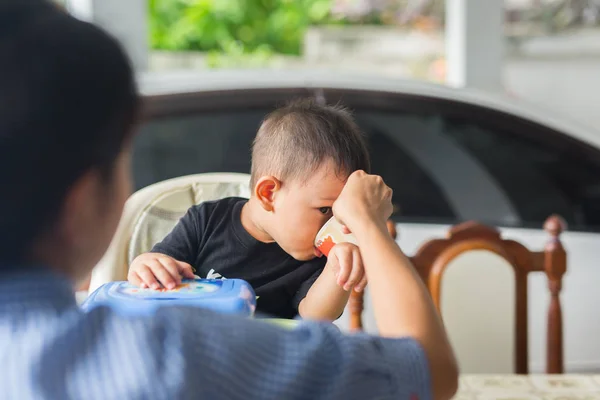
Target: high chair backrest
pixel 152 212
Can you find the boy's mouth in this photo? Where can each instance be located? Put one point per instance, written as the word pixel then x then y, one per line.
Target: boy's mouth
pixel 318 252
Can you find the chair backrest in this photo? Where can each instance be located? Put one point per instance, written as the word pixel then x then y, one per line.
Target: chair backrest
pixel 152 212
pixel 433 257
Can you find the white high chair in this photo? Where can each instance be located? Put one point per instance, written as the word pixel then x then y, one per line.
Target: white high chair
pixel 152 212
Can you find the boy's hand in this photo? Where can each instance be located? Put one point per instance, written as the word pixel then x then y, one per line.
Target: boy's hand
pixel 150 270
pixel 346 263
pixel 365 198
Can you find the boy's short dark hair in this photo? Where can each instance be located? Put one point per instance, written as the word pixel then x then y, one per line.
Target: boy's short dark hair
pixel 296 139
pixel 68 102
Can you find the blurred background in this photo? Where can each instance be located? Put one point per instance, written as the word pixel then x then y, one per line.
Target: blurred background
pixel 548 44
pixel 480 110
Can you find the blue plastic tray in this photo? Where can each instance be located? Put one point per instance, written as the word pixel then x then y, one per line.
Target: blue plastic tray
pixel 230 296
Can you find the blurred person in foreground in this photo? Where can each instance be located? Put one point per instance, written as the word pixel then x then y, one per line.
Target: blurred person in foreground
pixel 68 107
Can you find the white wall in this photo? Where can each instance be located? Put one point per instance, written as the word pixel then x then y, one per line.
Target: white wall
pixel 580 301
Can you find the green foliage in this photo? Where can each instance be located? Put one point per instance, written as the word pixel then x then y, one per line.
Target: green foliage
pixel 237 28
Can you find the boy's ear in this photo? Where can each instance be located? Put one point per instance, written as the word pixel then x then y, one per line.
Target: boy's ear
pixel 265 189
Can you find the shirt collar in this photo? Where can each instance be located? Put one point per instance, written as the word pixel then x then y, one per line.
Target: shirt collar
pixel 35 287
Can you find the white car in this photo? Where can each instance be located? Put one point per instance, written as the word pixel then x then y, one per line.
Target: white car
pixel 450 156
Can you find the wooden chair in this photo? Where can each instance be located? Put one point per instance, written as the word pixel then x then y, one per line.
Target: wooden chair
pixel 434 256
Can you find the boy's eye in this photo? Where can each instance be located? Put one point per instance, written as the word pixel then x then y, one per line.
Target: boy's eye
pixel 325 210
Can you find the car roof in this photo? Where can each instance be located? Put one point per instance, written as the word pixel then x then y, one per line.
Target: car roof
pixel 172 82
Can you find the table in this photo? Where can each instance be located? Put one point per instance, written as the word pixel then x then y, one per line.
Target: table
pixel 529 387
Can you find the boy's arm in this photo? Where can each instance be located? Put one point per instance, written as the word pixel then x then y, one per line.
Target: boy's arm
pixel 328 296
pixel 401 302
pixel 325 300
pixel 173 257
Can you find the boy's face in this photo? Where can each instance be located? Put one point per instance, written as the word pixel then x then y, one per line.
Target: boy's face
pixel 301 208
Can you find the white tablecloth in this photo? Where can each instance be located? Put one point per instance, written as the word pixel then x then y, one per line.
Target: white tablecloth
pixel 529 387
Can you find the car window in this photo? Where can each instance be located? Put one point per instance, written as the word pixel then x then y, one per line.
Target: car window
pixel 190 144
pixel 444 166
pixel 484 172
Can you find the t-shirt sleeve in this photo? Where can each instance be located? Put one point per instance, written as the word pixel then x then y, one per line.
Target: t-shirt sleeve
pixel 183 242
pixel 317 265
pixel 249 359
pixel 238 359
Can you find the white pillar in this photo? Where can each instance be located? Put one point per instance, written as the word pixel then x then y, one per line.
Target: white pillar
pixel 475 43
pixel 124 19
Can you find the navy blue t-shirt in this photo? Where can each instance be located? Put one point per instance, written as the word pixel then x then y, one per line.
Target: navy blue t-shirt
pixel 211 238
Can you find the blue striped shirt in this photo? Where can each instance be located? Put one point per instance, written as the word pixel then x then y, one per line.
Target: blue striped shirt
pixel 49 349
